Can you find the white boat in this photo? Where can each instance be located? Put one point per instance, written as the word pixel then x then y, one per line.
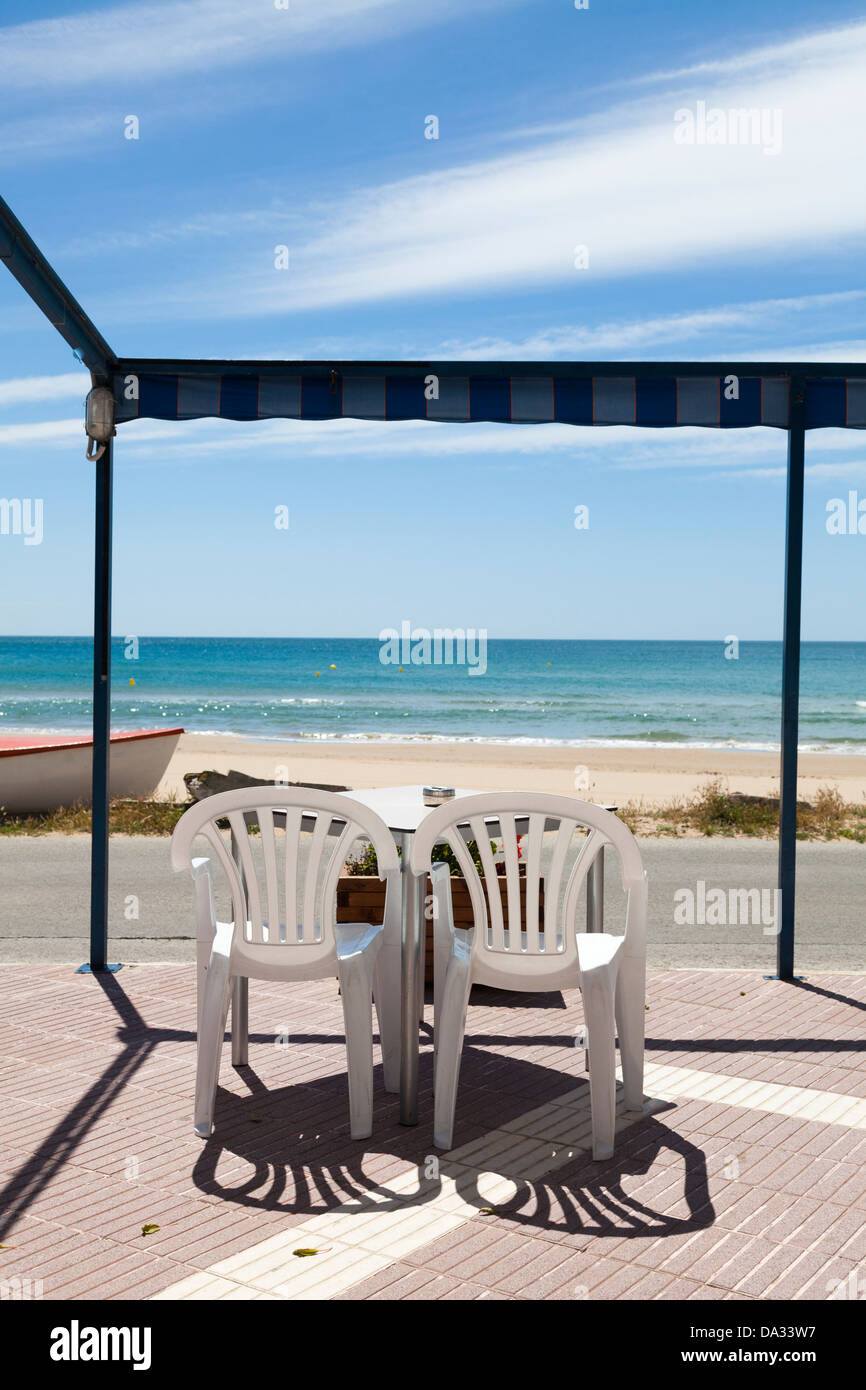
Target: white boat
pixel 39 772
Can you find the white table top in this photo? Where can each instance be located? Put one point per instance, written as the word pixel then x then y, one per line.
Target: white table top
pixel 401 808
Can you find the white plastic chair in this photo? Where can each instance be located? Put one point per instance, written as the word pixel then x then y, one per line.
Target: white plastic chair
pixel 609 970
pixel 289 931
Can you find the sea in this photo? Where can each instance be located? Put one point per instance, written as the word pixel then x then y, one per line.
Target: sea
pixel 634 694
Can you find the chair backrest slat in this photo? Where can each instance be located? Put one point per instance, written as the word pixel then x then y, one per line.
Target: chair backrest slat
pixel 496 929
pixel 265 818
pixel 532 855
pixel 254 930
pixel 229 868
pixel 508 833
pixel 589 852
pixel 309 925
pixel 289 928
pixel 553 883
pixel 342 846
pixel 454 837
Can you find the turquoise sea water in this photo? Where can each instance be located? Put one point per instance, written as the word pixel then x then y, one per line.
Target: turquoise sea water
pixel 583 692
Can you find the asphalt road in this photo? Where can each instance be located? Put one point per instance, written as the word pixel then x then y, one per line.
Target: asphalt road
pixel 45 898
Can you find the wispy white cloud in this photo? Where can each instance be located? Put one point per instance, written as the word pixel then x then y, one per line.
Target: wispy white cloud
pixel 21 138
pixel 842 350
pixel 743 455
pixel 853 468
pixel 142 43
pixel 25 390
pixel 834 471
pixel 817 46
pixel 215 225
pixel 619 185
pixel 656 330
pixel 41 432
pixel 161 442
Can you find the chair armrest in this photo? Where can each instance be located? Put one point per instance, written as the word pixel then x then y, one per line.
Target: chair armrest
pixel 205 912
pixel 443 909
pixel 392 922
pixel 636 918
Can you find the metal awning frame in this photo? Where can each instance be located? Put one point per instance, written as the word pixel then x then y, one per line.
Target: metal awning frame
pixel 27 263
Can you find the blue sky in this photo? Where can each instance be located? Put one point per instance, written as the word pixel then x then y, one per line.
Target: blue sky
pixel 305 127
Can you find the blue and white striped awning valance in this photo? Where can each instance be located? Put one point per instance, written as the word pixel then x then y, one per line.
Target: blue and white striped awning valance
pixel 729 401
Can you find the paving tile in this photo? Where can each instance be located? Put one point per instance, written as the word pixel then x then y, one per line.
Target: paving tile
pixel 779 1217
pixel 792 1277
pixel 618 1283
pixel 731 1260
pixel 521 1277
pixel 413 1283
pixel 384 1279
pixel 837 1279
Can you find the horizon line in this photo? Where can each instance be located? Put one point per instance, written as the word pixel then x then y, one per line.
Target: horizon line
pixel 325 637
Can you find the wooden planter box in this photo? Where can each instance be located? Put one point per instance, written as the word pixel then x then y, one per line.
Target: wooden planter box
pixel 361 898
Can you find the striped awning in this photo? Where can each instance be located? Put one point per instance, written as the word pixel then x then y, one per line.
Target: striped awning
pixel 459 392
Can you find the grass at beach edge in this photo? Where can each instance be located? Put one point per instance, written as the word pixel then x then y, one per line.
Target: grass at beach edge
pixel 712 811
pixel 715 811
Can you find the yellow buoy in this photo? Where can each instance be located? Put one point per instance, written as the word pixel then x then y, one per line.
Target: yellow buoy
pixel 131 680
pixel 318 673
pixel 333 666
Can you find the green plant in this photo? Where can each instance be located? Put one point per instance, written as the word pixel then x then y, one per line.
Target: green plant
pixel 366 862
pixel 129 817
pixel 714 811
pixel 830 811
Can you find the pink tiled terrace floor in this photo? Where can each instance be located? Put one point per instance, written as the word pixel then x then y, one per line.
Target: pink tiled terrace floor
pixel 725 1188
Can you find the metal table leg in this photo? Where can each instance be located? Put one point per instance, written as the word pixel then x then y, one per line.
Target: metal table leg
pixel 595 894
pixel 410 957
pixel 240 1021
pixel 595 906
pixel 240 999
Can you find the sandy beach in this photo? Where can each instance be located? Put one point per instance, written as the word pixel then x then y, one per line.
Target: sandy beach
pixel 616 775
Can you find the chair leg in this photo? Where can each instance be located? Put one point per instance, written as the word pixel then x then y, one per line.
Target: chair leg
pixel 215 1006
pixel 630 1016
pixel 422 968
pixel 597 988
pixel 386 991
pixel 441 957
pixel 240 1021
pixel 356 990
pixel 450 1026
pixel 202 956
